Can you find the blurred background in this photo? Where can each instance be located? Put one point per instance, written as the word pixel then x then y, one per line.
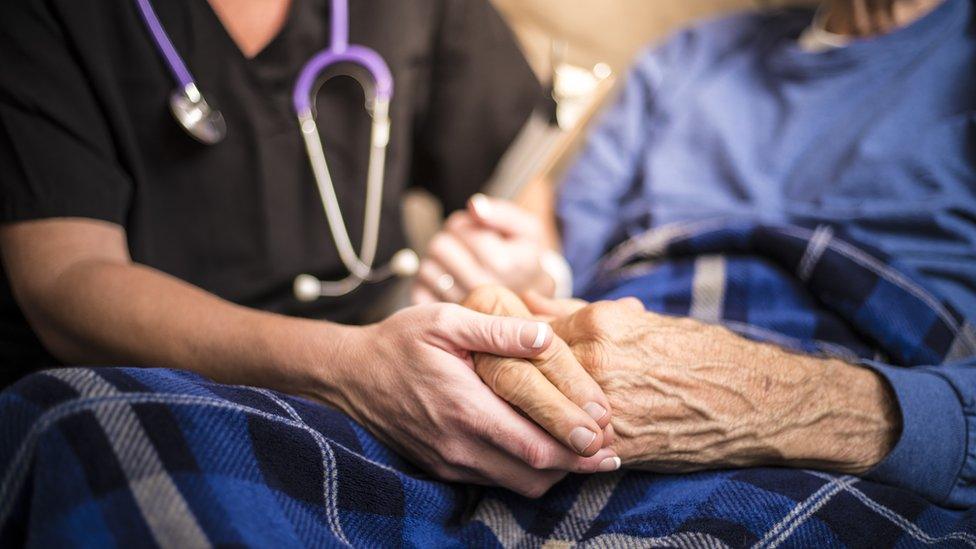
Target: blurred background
pixel 607 31
pixel 580 49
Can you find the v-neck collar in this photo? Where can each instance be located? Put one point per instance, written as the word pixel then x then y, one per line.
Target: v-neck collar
pixel 277 65
pixel 229 39
pixel 876 52
pixel 268 77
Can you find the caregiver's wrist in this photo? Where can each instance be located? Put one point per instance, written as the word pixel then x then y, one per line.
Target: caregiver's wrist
pixel 352 355
pixel 847 421
pixel 311 358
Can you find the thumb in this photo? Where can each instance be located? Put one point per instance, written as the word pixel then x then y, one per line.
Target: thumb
pixel 541 305
pixel 503 216
pixel 497 335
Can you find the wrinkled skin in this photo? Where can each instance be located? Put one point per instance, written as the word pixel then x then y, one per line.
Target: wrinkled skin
pixel 553 388
pixel 688 396
pixel 410 381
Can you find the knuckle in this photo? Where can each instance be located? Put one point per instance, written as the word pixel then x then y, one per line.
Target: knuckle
pixel 531 223
pixel 511 378
pixel 482 298
pixel 438 245
pixel 632 303
pixel 428 270
pixel 456 220
pixel 593 358
pixel 498 262
pixel 537 455
pixel 498 335
pixel 594 317
pixel 446 472
pixel 453 456
pixel 535 489
pixel 442 316
pixel 482 425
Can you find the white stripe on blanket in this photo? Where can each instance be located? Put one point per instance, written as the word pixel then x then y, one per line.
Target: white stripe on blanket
pixel 159 500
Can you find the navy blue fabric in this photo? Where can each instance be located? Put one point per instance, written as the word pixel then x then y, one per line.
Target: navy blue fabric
pixel 814 292
pixel 731 121
pixel 135 458
pixel 156 457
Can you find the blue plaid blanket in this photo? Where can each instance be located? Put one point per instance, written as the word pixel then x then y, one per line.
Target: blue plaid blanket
pixel 135 457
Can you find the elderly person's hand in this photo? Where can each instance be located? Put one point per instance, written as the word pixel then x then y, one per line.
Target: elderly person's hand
pixel 552 388
pixel 493 242
pixel 689 396
pixel 410 380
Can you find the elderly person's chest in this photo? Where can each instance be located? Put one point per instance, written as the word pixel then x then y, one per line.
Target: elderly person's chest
pixel 841 146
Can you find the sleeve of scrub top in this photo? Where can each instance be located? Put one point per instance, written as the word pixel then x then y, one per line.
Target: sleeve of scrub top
pixel 936 453
pixel 56 152
pixel 481 94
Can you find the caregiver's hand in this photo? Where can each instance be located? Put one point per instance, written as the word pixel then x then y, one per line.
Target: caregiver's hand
pixel 493 242
pixel 411 382
pixel 690 396
pixel 551 387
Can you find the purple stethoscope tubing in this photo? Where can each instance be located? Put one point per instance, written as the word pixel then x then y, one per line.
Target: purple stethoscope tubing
pixel 207 125
pixel 340 51
pixel 165 45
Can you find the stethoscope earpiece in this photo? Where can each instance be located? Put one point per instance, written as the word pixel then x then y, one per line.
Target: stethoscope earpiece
pixel 307 288
pixel 405 263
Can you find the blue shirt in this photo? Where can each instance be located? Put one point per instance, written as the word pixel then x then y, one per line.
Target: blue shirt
pixel 732 119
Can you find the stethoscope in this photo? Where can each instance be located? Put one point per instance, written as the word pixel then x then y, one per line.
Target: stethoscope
pixel 207 126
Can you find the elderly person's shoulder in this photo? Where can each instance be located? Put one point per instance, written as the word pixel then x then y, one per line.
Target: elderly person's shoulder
pixel 699 47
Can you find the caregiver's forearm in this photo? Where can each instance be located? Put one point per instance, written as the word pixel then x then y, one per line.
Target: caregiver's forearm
pixel 108 314
pixel 90 304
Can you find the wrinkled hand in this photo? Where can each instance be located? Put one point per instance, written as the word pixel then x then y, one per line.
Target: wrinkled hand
pixel 689 396
pixel 493 242
pixel 551 388
pixel 411 382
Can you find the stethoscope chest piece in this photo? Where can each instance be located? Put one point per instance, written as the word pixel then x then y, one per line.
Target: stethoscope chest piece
pixel 192 111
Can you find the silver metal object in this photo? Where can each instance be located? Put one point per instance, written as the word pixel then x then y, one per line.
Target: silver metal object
pixel 207 126
pixel 445 282
pixel 192 111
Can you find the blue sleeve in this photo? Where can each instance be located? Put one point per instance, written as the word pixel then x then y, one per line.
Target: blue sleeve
pixel 605 173
pixel 936 453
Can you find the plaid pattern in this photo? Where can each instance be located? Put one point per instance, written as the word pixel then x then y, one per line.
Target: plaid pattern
pixel 810 290
pixel 155 457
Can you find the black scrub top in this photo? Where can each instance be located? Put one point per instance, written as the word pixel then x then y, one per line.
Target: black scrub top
pixel 85 131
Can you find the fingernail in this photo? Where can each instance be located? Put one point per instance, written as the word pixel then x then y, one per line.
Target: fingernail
pixel 609 464
pixel 533 336
pixel 595 410
pixel 581 438
pixel 481 205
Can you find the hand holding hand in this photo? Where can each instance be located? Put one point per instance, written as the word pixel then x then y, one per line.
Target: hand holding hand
pixel 493 242
pixel 551 388
pixel 410 380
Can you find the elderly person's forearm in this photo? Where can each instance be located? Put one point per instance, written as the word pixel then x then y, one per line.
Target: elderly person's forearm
pixel 690 396
pixel 687 396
